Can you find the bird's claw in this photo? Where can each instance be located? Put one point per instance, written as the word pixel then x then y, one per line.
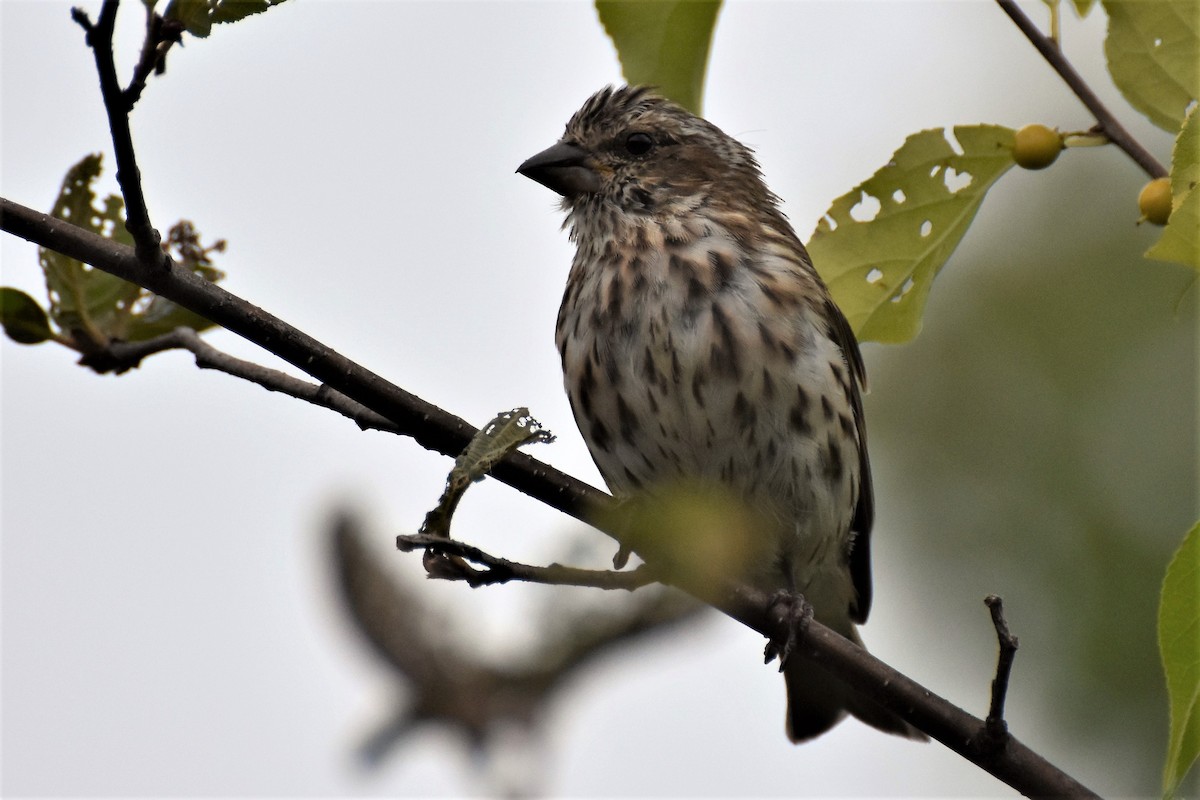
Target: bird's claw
pixel 791 613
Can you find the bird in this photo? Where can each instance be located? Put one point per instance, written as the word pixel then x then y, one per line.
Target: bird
pixel 699 344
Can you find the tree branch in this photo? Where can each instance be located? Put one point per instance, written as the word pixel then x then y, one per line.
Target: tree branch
pixel 120 357
pixel 118 104
pixel 500 570
pixel 1107 123
pixel 160 35
pixel 445 433
pixel 996 727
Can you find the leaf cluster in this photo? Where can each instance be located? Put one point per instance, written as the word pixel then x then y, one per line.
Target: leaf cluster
pixel 88 309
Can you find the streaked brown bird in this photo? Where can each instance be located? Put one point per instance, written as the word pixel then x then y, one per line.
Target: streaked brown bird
pixel 699 344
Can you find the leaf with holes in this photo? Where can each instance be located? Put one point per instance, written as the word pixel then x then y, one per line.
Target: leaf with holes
pixel 663 44
pixel 504 434
pixel 93 307
pixel 85 301
pixel 198 16
pixel 880 245
pixel 1179 646
pixel 1153 52
pixel 1180 241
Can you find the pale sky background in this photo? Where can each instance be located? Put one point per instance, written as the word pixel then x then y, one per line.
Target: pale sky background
pixel 169 624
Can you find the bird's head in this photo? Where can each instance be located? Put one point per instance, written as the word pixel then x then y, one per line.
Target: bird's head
pixel 632 151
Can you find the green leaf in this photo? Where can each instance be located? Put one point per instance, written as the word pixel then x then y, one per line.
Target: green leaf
pixel 1179 645
pixel 94 307
pixel 1179 241
pixel 155 315
pixel 1185 157
pixel 1153 51
pixel 1082 7
pixel 161 316
pixel 24 320
pixel 879 246
pixel 84 300
pixel 194 15
pixel 663 43
pixel 504 434
pixel 198 16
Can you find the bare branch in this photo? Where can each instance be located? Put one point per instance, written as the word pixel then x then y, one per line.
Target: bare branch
pixel 996 726
pixel 118 357
pixel 1106 122
pixel 118 104
pixel 161 34
pixel 209 357
pixel 500 570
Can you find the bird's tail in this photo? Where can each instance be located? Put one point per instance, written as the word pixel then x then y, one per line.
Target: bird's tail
pixel 817 701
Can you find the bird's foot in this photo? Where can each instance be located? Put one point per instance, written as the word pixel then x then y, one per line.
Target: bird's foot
pixel 791 613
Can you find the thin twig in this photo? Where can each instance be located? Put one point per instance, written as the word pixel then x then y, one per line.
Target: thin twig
pixel 117 104
pixel 1107 123
pixel 161 34
pixel 501 570
pixel 997 728
pixel 119 357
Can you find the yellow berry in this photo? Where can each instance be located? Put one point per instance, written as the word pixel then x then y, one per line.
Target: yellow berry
pixel 1155 201
pixel 1036 146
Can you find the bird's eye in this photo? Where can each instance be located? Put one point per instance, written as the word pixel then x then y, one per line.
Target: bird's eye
pixel 638 144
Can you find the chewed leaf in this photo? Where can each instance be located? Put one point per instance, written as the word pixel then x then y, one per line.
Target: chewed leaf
pixel 1180 241
pixel 198 16
pixel 663 44
pixel 93 307
pixel 1153 51
pixel 1179 646
pixel 881 244
pixel 504 434
pixel 85 300
pixel 1185 157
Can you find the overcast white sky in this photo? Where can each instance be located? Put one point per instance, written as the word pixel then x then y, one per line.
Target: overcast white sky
pixel 168 621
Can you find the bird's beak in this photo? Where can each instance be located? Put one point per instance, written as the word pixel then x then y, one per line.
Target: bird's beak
pixel 565 168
